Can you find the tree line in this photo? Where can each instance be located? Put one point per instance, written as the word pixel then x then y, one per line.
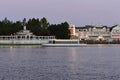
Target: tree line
pixel 39 27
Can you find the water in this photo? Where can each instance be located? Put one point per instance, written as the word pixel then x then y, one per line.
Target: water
pixel 94 62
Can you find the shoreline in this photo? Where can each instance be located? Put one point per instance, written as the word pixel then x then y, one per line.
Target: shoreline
pixel 69 41
pixel 61 41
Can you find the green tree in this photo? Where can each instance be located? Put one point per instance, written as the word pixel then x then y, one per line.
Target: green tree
pixel 44 26
pixel 44 23
pixel 38 27
pixel 5 27
pixel 8 27
pixel 61 31
pixel 17 26
pixel 34 26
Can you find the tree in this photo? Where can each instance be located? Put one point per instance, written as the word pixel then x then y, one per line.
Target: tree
pixel 44 26
pixel 34 26
pixel 38 27
pixel 61 31
pixel 8 27
pixel 44 23
pixel 5 27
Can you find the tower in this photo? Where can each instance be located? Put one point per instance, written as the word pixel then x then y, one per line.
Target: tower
pixel 24 27
pixel 24 24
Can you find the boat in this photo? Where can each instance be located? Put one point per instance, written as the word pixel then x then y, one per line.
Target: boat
pixel 24 37
pixel 64 45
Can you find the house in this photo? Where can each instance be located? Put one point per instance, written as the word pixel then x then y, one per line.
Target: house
pixel 115 32
pixel 82 33
pixel 90 32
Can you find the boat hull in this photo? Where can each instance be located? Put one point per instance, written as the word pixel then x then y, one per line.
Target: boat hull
pixel 24 41
pixel 63 45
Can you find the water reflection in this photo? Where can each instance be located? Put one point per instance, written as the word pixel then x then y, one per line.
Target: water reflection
pixel 72 54
pixel 12 52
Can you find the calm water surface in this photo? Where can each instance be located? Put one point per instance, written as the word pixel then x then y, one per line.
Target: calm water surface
pixel 94 62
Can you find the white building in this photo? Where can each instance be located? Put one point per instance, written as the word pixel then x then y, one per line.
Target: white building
pixel 82 32
pixel 93 32
pixel 115 32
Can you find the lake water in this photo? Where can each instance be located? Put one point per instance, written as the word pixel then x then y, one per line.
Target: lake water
pixel 94 62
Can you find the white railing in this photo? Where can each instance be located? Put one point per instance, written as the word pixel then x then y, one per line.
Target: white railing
pixel 27 37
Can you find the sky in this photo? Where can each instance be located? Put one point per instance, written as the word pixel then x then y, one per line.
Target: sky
pixel 75 12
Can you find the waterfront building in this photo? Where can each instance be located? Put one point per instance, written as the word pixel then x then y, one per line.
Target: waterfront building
pixel 90 32
pixel 82 33
pixel 115 32
pixel 72 32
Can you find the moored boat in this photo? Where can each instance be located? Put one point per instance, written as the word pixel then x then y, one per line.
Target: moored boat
pixel 64 45
pixel 25 37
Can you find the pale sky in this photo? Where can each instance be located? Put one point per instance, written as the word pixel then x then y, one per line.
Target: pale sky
pixel 77 12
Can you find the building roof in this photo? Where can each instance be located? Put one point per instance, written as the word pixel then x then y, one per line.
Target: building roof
pixel 113 27
pixel 91 26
